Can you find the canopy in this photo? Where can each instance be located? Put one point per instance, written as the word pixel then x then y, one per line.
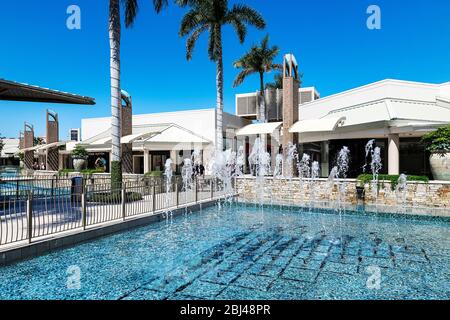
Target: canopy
pixel 15 91
pixel 259 128
pixel 317 125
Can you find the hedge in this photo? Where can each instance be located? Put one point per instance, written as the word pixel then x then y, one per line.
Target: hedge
pixel 393 179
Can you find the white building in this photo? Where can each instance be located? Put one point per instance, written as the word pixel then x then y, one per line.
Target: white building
pixel 395 113
pixel 9 154
pixel 158 136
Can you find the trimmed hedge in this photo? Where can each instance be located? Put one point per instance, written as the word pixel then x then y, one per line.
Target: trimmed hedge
pixel 154 174
pixel 84 171
pixel 114 197
pixel 393 179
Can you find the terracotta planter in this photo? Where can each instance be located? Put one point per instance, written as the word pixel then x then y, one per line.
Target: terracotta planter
pixel 79 164
pixel 440 166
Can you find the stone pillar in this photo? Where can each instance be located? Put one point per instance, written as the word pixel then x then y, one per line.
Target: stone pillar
pixel 291 84
pixel 174 158
pixel 28 141
pixel 52 136
pixel 393 154
pixel 147 161
pixel 325 159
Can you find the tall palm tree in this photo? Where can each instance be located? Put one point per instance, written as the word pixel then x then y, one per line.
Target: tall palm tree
pixel 258 60
pixel 211 16
pixel 131 9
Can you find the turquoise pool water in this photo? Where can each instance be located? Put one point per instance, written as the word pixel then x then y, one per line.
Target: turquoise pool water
pixel 243 252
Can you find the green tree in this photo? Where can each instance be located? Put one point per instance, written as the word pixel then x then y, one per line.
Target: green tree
pixel 211 16
pixel 2 144
pixel 258 60
pixel 131 9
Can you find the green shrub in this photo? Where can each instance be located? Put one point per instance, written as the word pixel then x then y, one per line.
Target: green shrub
pixel 393 179
pixel 114 197
pixel 79 152
pixel 438 141
pixel 65 172
pixel 154 174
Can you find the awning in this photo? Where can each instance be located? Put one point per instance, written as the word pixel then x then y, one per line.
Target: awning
pixel 52 145
pixel 101 141
pixel 32 148
pixel 15 91
pixel 259 128
pixel 317 125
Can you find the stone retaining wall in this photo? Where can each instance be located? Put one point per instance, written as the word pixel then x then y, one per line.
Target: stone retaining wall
pixel 419 197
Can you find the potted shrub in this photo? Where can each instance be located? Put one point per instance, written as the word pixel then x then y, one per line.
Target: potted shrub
pixel 438 143
pixel 79 157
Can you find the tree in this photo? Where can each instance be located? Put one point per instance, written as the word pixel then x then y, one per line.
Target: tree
pixel 258 60
pixel 277 82
pixel 37 141
pixel 211 16
pixel 2 144
pixel 131 9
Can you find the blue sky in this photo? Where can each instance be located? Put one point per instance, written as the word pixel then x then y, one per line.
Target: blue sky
pixel 335 50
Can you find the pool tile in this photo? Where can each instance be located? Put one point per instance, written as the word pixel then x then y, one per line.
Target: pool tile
pixel 300 274
pixel 252 281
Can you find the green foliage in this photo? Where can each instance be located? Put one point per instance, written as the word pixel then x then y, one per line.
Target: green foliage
pixel 2 144
pixel 116 174
pixel 21 156
pixel 79 152
pixel 65 172
pixel 114 197
pixel 393 179
pixel 37 141
pixel 438 141
pixel 258 60
pixel 154 174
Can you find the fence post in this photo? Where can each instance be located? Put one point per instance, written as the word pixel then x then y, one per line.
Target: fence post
pixel 123 199
pixel 212 188
pixel 176 193
pixel 30 216
pixel 196 189
pixel 154 196
pixel 83 209
pixel 17 189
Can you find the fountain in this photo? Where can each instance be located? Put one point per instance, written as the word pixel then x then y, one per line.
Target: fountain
pixel 259 160
pixel 315 174
pixel 401 190
pixel 278 169
pixel 187 175
pixel 168 174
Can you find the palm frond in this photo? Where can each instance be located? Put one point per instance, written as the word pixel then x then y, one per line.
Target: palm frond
pixel 192 40
pixel 131 10
pixel 248 15
pixel 241 77
pixel 191 20
pixel 159 5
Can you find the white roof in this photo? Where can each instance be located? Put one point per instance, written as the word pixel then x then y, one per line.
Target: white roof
pixel 11 147
pixel 317 125
pixel 166 133
pixel 259 128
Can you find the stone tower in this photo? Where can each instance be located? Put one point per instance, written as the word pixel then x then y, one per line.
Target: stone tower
pixel 52 136
pixel 291 85
pixel 28 141
pixel 127 129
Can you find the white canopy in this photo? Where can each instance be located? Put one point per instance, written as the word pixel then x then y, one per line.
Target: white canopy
pixel 317 125
pixel 259 128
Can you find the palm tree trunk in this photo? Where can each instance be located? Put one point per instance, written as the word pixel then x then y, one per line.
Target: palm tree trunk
pixel 262 108
pixel 219 87
pixel 114 44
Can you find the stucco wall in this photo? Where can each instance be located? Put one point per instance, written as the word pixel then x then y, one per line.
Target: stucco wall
pixel 419 198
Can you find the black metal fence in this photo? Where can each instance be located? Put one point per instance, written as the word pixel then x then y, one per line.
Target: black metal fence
pixel 32 208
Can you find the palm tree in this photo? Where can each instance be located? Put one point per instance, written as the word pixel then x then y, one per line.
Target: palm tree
pixel 258 60
pixel 131 9
pixel 211 16
pixel 277 82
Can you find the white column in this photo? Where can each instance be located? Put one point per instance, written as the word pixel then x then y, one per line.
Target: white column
pixel 147 164
pixel 393 154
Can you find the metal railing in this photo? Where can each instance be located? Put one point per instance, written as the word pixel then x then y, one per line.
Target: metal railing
pixel 29 210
